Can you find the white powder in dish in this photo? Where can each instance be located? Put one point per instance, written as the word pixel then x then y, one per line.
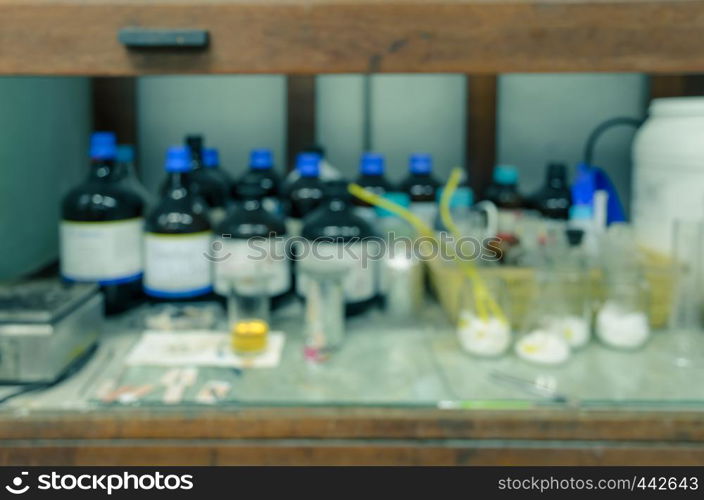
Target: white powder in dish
pixel 574 329
pixel 489 337
pixel 622 328
pixel 543 347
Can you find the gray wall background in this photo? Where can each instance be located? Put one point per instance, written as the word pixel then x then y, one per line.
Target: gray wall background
pixel 549 117
pixel 236 114
pixel 46 122
pixel 43 146
pixel 541 117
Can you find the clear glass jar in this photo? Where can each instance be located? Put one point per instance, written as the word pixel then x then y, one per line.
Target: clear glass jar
pixel 559 317
pixel 483 326
pixel 622 320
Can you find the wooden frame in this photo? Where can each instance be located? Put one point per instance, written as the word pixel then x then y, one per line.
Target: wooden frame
pixel 325 436
pixel 74 37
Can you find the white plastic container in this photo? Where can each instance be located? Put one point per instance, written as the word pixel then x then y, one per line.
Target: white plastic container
pixel 668 169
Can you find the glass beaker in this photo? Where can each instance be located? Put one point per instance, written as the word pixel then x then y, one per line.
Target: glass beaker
pixel 483 327
pixel 623 321
pixel 248 307
pixel 557 319
pixel 685 321
pixel 325 311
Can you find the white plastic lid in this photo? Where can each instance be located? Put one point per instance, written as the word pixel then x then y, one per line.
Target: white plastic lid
pixel 677 106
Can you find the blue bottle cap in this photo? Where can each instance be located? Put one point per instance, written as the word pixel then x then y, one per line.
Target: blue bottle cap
pixel 505 175
pixel 261 159
pixel 125 153
pixel 211 158
pixel 308 164
pixel 178 159
pixel 371 164
pixel 420 163
pixel 462 197
pixel 396 197
pixel 103 146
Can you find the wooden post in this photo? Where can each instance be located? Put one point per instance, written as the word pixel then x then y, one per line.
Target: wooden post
pixel 676 85
pixel 481 131
pixel 300 121
pixel 115 107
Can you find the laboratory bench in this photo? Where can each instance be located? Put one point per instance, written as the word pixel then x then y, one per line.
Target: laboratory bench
pixel 393 394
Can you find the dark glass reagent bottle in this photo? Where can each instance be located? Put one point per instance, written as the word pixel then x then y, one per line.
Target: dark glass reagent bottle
pixel 554 199
pixel 178 238
pixel 503 191
pixel 247 232
pixel 334 223
pixel 212 167
pixel 371 177
pixel 215 195
pixel 261 172
pixel 101 230
pixel 421 187
pixel 306 193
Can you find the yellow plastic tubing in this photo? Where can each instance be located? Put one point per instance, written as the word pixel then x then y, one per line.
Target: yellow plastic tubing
pixel 485 303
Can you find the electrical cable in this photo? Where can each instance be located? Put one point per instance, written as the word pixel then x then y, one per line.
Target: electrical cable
pixel 597 132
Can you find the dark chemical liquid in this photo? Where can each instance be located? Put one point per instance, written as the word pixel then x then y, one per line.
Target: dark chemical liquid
pixel 178 238
pixel 554 198
pixel 101 230
pixel 202 183
pixel 212 168
pixel 503 190
pixel 306 193
pixel 251 237
pixel 371 177
pixel 342 234
pixel 261 172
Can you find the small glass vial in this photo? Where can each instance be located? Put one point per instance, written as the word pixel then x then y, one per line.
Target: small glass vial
pixel 248 312
pixel 483 328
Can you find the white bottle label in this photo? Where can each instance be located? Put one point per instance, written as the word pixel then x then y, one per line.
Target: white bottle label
pixel 216 215
pixel 104 252
pixel 262 256
pixel 360 279
pixel 177 265
pixel 272 205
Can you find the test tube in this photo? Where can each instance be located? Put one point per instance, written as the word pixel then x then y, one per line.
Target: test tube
pixel 685 314
pixel 325 312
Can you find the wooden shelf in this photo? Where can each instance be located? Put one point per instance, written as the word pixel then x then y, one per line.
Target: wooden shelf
pixel 79 37
pixel 328 436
